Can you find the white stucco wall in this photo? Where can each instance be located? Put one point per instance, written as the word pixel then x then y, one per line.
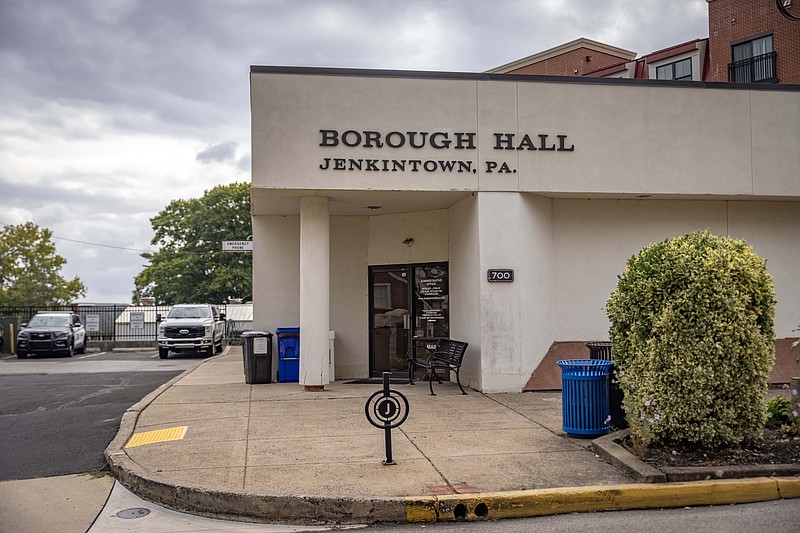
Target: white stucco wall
pixel 659 139
pixel 276 275
pixel 706 157
pixel 515 317
pixel 595 238
pixel 771 228
pixel 465 285
pixel 537 281
pixel 349 295
pixel 428 229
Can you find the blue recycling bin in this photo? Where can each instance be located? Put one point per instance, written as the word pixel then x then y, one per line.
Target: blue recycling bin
pixel 288 354
pixel 584 397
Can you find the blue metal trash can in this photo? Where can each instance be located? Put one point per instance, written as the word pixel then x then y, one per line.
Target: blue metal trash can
pixel 288 354
pixel 584 397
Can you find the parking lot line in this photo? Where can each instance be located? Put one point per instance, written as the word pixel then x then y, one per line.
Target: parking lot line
pixel 92 355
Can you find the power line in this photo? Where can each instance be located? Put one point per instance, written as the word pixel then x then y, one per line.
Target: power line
pixel 96 243
pixel 104 245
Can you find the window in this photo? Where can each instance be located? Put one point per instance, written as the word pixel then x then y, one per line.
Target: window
pixel 381 296
pixel 753 61
pixel 679 70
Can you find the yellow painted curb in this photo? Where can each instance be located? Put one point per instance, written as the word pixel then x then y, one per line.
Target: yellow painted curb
pixel 519 504
pixel 421 509
pixel 788 487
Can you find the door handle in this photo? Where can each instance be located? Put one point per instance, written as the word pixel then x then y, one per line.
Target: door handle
pixel 406 321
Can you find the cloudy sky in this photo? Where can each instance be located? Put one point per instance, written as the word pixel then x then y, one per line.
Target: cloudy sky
pixel 110 109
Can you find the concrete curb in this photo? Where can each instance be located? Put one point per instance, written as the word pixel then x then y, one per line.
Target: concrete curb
pixel 245 506
pixel 232 504
pixel 235 505
pixel 624 461
pixel 608 448
pixel 520 504
pixel 131 415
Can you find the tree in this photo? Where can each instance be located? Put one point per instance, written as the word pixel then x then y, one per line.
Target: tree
pixel 190 265
pixel 30 268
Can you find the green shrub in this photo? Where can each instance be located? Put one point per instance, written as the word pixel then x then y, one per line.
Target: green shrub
pixel 693 340
pixel 783 415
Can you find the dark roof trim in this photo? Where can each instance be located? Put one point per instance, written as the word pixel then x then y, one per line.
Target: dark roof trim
pixel 478 76
pixel 671 52
pixel 612 69
pixel 676 49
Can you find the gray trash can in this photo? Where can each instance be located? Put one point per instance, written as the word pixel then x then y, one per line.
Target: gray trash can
pixel 257 356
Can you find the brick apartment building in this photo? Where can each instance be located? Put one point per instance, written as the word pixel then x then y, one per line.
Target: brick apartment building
pixel 749 41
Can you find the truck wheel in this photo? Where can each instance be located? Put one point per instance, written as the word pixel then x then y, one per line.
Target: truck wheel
pixel 22 355
pixel 163 353
pixel 219 347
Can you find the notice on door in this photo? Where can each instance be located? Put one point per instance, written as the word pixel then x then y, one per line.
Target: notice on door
pixel 431 294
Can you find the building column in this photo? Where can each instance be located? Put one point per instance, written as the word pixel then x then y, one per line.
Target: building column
pixel 314 291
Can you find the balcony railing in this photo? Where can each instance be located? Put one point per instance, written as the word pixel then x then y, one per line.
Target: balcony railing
pixel 758 69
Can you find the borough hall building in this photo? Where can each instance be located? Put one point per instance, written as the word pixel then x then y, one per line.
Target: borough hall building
pixel 394 208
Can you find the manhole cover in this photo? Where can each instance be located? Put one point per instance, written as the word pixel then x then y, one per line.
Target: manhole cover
pixel 135 512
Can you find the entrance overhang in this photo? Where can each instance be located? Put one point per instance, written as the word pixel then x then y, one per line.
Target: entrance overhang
pixel 284 202
pixel 353 203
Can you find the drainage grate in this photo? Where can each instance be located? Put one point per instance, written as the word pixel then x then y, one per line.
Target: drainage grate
pixel 134 512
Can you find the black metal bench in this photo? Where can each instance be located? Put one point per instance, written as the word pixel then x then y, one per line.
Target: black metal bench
pixel 447 355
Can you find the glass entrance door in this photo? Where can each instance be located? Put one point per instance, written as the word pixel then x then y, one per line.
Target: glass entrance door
pixel 408 304
pixel 390 317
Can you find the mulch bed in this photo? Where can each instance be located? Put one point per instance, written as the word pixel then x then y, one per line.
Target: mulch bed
pixel 773 449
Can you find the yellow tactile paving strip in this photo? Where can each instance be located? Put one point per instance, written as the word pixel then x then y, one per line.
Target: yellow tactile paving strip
pixel 159 435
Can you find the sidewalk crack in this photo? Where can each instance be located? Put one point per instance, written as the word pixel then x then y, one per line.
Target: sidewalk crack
pixel 441 474
pixel 247 438
pixel 523 415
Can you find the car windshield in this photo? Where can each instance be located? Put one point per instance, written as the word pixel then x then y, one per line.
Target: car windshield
pixel 44 321
pixel 189 312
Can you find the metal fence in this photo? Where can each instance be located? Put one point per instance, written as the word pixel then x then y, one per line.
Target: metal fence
pixel 102 322
pixel 116 322
pixel 754 69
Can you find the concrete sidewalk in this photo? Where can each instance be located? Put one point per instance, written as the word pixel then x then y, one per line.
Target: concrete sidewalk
pixel 274 452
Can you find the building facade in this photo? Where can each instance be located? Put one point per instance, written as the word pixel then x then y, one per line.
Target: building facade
pixel 398 207
pixel 749 41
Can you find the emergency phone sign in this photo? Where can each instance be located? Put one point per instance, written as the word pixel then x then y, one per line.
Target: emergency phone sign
pixel 237 246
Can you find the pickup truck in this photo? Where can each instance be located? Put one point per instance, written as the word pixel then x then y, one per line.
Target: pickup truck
pixel 191 327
